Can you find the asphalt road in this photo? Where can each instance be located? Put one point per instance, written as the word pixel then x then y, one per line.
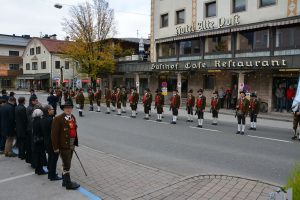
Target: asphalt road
pixel 267 154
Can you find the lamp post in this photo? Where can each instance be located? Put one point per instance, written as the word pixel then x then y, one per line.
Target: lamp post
pixel 61 76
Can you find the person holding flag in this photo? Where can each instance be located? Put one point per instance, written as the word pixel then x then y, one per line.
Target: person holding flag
pixel 296 112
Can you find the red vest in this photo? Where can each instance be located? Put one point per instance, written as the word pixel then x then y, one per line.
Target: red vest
pixel 199 102
pixel 72 126
pixel 214 102
pixel 241 105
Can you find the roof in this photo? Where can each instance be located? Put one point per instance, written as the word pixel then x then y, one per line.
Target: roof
pixel 52 45
pixel 13 40
pixel 134 40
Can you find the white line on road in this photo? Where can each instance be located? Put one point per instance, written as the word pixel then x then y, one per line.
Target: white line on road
pixel 158 122
pixel 123 116
pixel 205 129
pixel 16 177
pixel 272 139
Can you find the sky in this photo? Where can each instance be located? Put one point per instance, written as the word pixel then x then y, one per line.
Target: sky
pixel 36 17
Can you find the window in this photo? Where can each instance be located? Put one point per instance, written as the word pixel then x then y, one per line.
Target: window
pixel 253 40
pixel 38 50
pixel 264 3
pixel 218 44
pixel 67 64
pixel 209 82
pixel 14 66
pixel 27 66
pixel 164 20
pixel 43 65
pixel 180 16
pixel 13 53
pixel 34 65
pixel 238 5
pixel 211 9
pixel 189 47
pixel 31 51
pixel 57 64
pixel 288 37
pixel 167 49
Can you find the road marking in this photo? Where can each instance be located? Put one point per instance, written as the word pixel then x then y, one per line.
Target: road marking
pixel 88 194
pixel 158 122
pixel 123 116
pixel 16 177
pixel 205 129
pixel 272 139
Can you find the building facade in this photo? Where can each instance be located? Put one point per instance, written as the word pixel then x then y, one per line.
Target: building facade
pixel 45 66
pixel 216 44
pixel 11 64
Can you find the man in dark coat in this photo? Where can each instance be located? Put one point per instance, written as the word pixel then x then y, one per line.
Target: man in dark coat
pixel 33 101
pixel 21 126
pixel 159 104
pixel 46 129
pixel 32 93
pixel 4 96
pixel 64 139
pixel 2 137
pixel 8 126
pixel 80 102
pixel 52 100
pixel 174 105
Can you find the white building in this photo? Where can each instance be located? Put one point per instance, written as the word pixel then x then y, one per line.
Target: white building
pixel 44 65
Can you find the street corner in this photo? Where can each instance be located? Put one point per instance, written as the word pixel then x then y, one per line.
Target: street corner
pixel 18 181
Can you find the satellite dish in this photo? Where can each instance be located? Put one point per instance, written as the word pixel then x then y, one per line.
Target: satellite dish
pixel 57 5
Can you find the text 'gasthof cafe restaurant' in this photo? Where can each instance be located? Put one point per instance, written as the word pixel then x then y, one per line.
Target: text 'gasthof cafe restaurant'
pixel 216 44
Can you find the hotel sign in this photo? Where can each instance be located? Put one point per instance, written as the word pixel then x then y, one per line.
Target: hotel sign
pixel 220 64
pixel 206 25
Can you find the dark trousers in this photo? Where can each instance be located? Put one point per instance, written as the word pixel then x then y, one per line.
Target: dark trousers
pixel 296 122
pixel 98 102
pixel 190 110
pixel 175 111
pixel 119 105
pixel 253 117
pixel 200 114
pixel 215 114
pixel 241 119
pixel 66 157
pixel 39 157
pixel 279 106
pixel 28 149
pixel 21 144
pixel 52 162
pixel 228 103
pixel 108 104
pixel 159 109
pixel 289 105
pixel 147 109
pixel 133 107
pixel 2 142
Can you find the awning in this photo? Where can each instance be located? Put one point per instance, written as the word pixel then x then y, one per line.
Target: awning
pixel 85 81
pixel 34 77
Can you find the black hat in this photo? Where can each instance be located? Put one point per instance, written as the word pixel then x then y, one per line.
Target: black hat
pixel 200 90
pixel 191 91
pixel 253 95
pixel 3 91
pixel 242 91
pixel 32 98
pixel 67 103
pixel 215 92
pixel 12 94
pixel 158 90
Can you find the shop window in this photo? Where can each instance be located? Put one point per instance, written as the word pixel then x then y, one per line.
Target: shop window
pixel 34 66
pixel 13 53
pixel 31 51
pixel 164 20
pixel 264 3
pixel 167 49
pixel 180 16
pixel 211 9
pixel 57 64
pixel 67 64
pixel 288 37
pixel 189 47
pixel 218 44
pixel 238 5
pixel 5 83
pixel 14 66
pixel 209 82
pixel 43 65
pixel 253 40
pixel 38 50
pixel 27 66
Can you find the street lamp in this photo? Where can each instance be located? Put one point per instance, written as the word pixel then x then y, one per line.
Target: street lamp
pixel 61 76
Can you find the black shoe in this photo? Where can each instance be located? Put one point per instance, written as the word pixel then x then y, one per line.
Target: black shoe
pixel 199 126
pixel 238 132
pixel 294 137
pixel 242 133
pixel 133 116
pixel 55 178
pixel 107 113
pixel 146 118
pixel 69 184
pixel 254 129
pixel 173 122
pixel 40 172
pixel 250 128
pixel 119 114
pixel 191 120
pixel 188 120
pixel 214 124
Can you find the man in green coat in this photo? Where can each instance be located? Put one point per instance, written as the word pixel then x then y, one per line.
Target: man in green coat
pixel 253 111
pixel 242 108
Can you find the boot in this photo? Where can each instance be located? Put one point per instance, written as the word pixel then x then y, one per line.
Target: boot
pixel 63 184
pixel 69 184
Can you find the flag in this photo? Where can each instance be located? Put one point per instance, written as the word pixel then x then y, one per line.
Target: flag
pixel 297 98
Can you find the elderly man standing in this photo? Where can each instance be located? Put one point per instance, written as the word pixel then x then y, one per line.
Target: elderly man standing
pixel 21 126
pixel 64 139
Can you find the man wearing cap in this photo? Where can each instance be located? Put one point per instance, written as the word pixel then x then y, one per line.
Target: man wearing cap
pixel 242 108
pixel 80 102
pixel 253 111
pixel 118 100
pixel 91 99
pixel 98 99
pixel 147 100
pixel 190 103
pixel 200 107
pixel 123 99
pixel 159 104
pixel 64 139
pixel 215 107
pixel 174 105
pixel 133 100
pixel 107 99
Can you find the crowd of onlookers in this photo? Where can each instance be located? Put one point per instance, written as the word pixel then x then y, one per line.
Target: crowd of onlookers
pixel 284 98
pixel 30 127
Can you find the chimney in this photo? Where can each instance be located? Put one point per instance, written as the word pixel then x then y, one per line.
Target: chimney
pixel 53 37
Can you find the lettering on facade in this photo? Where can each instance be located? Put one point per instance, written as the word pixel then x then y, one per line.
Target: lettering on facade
pixel 208 25
pixel 220 64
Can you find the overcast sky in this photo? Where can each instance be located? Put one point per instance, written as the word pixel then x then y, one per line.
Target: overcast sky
pixel 33 17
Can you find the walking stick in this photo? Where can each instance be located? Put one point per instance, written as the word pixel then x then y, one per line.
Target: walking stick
pixel 80 163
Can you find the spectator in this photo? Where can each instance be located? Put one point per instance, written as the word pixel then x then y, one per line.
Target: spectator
pixel 52 156
pixel 221 94
pixel 2 137
pixel 21 126
pixel 234 96
pixel 52 100
pixel 228 98
pixel 38 142
pixel 279 98
pixel 290 94
pixel 32 93
pixel 4 95
pixel 8 125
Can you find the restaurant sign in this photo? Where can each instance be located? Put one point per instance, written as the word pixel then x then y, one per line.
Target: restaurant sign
pixel 220 64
